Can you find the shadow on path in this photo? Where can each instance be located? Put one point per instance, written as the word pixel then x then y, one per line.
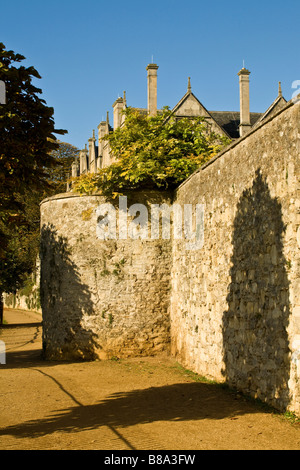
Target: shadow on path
pixel 21 325
pixel 176 402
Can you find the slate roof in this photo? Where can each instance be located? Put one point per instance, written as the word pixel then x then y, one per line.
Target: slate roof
pixel 230 121
pixel 227 120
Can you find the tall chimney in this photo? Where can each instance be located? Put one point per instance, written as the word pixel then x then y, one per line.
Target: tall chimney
pixel 245 125
pixel 152 89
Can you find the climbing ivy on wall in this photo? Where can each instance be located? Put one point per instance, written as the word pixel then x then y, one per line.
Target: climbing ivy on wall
pixel 153 152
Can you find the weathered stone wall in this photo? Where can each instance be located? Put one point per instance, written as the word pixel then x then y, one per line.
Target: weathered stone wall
pixel 235 304
pixel 30 302
pixel 231 309
pixel 27 298
pixel 101 298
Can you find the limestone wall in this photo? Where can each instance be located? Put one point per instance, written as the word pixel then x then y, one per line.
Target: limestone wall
pixel 28 302
pixel 235 304
pixel 101 298
pixel 27 298
pixel 230 310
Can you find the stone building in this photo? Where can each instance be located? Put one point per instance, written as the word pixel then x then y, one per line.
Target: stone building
pixel 232 124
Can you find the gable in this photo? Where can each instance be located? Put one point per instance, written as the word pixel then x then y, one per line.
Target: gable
pixel 275 107
pixel 190 106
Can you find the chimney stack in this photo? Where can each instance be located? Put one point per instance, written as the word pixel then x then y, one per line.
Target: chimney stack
pixel 152 89
pixel 245 124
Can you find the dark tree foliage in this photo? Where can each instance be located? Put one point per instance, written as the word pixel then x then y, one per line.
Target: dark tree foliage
pixel 27 143
pixel 65 155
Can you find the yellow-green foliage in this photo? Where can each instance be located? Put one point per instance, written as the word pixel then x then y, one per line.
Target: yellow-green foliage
pixel 153 152
pixel 86 215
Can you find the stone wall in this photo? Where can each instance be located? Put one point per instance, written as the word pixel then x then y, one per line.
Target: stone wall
pixel 101 298
pixel 30 302
pixel 235 304
pixel 230 310
pixel 27 298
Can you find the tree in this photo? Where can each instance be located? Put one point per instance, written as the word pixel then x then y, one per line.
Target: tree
pixel 153 152
pixel 65 155
pixel 27 142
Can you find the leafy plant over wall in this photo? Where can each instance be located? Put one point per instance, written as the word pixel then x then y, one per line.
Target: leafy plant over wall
pixel 152 153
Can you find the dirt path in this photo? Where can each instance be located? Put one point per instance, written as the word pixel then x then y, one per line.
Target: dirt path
pixel 138 404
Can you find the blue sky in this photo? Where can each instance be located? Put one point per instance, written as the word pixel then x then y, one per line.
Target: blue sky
pixel 89 52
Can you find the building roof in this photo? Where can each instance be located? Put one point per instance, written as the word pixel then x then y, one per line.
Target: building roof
pixel 277 104
pixel 230 121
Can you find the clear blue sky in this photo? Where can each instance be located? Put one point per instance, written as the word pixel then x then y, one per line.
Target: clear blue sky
pixel 88 52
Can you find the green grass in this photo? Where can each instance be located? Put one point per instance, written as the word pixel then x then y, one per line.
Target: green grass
pixel 194 376
pixel 291 417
